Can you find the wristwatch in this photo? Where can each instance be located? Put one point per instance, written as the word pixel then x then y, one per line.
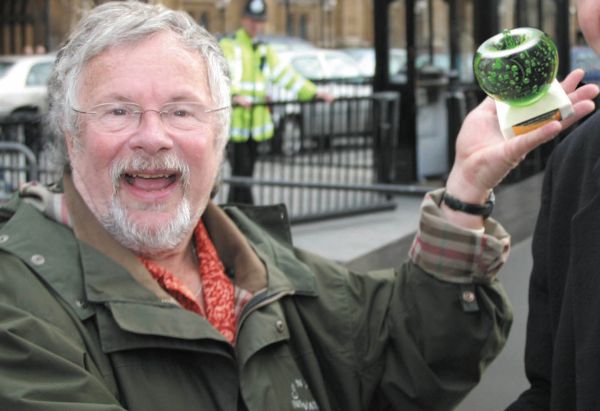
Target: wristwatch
pixel 483 210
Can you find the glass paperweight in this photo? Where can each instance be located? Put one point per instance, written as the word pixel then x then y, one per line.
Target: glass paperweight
pixel 517 68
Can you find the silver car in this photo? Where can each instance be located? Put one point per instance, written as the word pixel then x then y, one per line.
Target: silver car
pixel 365 58
pixel 286 43
pixel 314 125
pixel 23 86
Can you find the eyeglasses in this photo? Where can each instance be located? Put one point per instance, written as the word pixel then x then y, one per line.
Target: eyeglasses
pixel 184 116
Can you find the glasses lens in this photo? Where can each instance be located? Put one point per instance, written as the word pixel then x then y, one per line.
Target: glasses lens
pixel 115 116
pixel 186 115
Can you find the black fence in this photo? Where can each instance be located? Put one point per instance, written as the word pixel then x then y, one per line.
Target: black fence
pixel 328 159
pixel 22 155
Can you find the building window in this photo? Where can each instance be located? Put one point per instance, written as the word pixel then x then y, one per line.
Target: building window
pixel 303 26
pixel 204 20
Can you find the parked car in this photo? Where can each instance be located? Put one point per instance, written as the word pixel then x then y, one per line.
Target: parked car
pixel 585 58
pixel 397 64
pixel 322 64
pixel 365 57
pixel 23 85
pixel 334 72
pixel 307 126
pixel 24 97
pixel 441 61
pixel 286 43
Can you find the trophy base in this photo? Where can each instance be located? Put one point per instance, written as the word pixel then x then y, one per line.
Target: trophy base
pixel 555 105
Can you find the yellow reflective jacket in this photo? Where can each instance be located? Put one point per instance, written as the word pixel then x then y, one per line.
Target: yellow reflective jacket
pixel 254 66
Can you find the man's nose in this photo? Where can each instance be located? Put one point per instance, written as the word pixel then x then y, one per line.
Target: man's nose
pixel 151 135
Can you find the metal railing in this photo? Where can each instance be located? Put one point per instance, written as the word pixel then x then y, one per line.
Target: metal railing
pixel 327 159
pixel 22 157
pixel 17 165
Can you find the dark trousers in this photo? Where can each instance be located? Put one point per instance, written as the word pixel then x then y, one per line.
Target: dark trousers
pixel 242 157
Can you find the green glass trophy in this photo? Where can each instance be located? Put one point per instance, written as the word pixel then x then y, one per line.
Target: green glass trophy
pixel 517 68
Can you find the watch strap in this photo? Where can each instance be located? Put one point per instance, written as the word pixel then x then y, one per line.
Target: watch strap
pixel 483 210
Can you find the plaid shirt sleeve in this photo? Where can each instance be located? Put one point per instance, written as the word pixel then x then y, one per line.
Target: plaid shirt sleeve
pixel 454 254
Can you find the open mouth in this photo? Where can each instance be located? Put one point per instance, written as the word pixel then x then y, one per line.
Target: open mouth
pixel 155 181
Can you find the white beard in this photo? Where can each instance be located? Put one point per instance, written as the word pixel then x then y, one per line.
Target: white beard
pixel 145 239
pixel 141 237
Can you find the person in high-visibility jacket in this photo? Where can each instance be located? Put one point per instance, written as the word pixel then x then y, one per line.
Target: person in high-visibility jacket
pixel 253 66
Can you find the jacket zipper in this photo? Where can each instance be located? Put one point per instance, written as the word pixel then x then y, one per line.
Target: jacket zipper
pixel 262 302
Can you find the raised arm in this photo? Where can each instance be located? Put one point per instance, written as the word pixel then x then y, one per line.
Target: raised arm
pixel 484 157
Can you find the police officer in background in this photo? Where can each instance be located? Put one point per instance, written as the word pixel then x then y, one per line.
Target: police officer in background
pixel 254 65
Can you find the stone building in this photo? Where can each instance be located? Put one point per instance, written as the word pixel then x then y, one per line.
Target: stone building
pixel 25 24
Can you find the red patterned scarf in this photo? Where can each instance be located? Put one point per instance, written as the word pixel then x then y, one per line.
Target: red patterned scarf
pixel 217 289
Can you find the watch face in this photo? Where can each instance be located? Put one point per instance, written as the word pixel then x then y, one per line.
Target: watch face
pixel 516 66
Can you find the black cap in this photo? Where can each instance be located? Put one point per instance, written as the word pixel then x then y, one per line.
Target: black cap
pixel 256 10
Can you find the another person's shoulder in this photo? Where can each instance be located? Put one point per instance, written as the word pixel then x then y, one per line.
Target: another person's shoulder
pixel 578 151
pixel 574 165
pixel 228 39
pixel 584 139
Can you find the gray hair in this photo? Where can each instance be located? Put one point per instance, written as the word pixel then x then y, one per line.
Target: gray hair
pixel 117 23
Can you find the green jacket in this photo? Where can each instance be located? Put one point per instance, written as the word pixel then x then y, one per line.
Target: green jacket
pixel 254 67
pixel 77 332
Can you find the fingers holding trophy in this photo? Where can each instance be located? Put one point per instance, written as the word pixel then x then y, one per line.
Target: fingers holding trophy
pixel 517 68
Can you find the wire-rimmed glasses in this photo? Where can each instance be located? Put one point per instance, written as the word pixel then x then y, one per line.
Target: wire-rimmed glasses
pixel 183 116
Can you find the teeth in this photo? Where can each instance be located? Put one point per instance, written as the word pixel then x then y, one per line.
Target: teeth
pixel 130 178
pixel 148 176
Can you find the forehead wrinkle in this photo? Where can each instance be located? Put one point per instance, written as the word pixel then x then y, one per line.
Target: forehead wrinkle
pixel 163 55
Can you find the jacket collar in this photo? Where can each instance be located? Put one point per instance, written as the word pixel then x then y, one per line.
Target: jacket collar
pixel 254 240
pixel 48 249
pixel 243 37
pixel 267 230
pixel 240 242
pixel 102 284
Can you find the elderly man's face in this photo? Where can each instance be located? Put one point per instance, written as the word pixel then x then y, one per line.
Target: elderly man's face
pixel 588 13
pixel 147 185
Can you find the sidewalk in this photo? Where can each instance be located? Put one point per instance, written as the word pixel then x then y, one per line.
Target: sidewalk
pixel 346 239
pixel 382 239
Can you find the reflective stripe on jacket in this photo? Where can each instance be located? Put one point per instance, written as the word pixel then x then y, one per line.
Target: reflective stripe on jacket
pixel 253 67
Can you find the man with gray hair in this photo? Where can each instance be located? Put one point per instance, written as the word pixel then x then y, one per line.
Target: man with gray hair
pixel 124 287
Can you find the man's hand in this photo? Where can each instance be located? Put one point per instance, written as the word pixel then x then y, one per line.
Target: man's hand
pixel 241 101
pixel 326 97
pixel 484 157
